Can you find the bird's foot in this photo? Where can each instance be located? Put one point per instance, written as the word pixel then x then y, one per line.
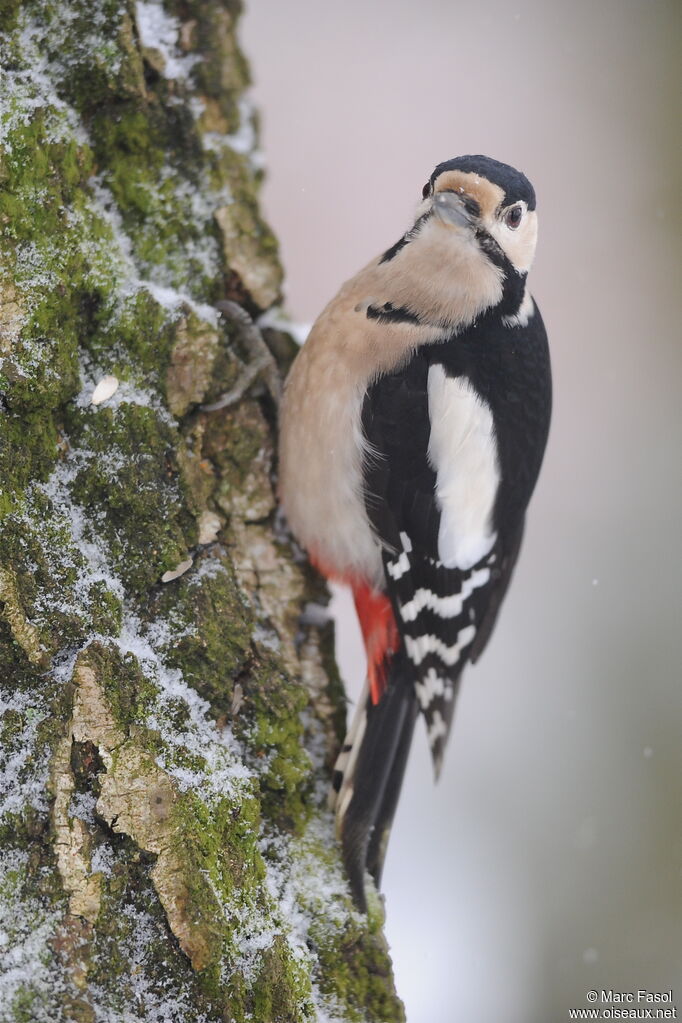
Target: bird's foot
pixel 260 365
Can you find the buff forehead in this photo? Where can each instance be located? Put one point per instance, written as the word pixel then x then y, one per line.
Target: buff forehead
pixel 489 196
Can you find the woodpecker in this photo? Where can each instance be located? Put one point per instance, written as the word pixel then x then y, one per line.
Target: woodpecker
pixel 412 430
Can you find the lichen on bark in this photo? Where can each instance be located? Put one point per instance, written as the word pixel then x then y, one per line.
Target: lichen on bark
pixel 167 718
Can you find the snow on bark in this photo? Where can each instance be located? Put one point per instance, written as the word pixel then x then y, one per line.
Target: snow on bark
pixel 167 717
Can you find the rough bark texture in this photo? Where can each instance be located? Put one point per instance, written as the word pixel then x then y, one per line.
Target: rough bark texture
pixel 165 850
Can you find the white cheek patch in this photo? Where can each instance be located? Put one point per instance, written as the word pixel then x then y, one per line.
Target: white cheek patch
pixel 463 454
pixel 519 244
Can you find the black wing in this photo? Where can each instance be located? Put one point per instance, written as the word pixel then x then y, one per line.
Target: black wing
pixel 446 615
pixel 399 482
pixel 437 609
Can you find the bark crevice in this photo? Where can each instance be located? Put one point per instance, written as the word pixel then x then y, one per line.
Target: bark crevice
pixel 168 719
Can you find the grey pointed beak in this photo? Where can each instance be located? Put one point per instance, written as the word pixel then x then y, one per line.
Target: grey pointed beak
pixel 455 210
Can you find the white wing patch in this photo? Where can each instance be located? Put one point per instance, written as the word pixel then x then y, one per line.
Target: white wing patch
pixel 463 454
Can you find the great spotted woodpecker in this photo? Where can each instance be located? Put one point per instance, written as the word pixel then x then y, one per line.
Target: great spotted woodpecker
pixel 413 426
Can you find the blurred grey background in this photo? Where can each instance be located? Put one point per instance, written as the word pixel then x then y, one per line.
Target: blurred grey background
pixel 548 861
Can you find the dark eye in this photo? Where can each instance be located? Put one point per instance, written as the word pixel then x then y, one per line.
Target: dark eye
pixel 512 217
pixel 426 189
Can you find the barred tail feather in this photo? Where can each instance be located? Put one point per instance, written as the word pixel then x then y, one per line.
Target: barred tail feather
pixel 369 774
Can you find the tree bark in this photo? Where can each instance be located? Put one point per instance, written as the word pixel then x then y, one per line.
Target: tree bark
pixel 168 718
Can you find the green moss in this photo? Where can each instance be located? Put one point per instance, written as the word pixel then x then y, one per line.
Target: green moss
pixel 140 333
pixel 106 63
pixel 220 843
pixel 133 963
pixel 354 966
pixel 152 155
pixel 39 370
pixel 125 140
pixel 106 610
pixel 48 570
pixel 107 194
pixel 8 13
pixel 215 654
pixel 271 720
pixel 30 903
pixel 13 662
pixel 224 73
pixel 145 489
pixel 28 448
pixel 130 693
pixel 277 991
pixel 239 444
pixel 40 182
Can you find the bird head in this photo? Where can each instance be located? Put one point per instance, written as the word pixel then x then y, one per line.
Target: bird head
pixel 482 200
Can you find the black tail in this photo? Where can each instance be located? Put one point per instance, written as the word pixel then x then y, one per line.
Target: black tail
pixel 370 773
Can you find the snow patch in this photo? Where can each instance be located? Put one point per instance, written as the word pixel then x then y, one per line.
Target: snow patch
pixel 96 567
pixel 82 806
pixel 277 319
pixel 160 31
pixel 267 637
pixel 23 764
pixel 171 299
pixel 304 886
pixel 220 769
pixel 104 205
pixel 208 568
pixel 103 860
pixel 153 1000
pixel 27 927
pixel 243 141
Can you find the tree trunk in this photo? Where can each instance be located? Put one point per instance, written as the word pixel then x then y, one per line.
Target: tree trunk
pixel 168 719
